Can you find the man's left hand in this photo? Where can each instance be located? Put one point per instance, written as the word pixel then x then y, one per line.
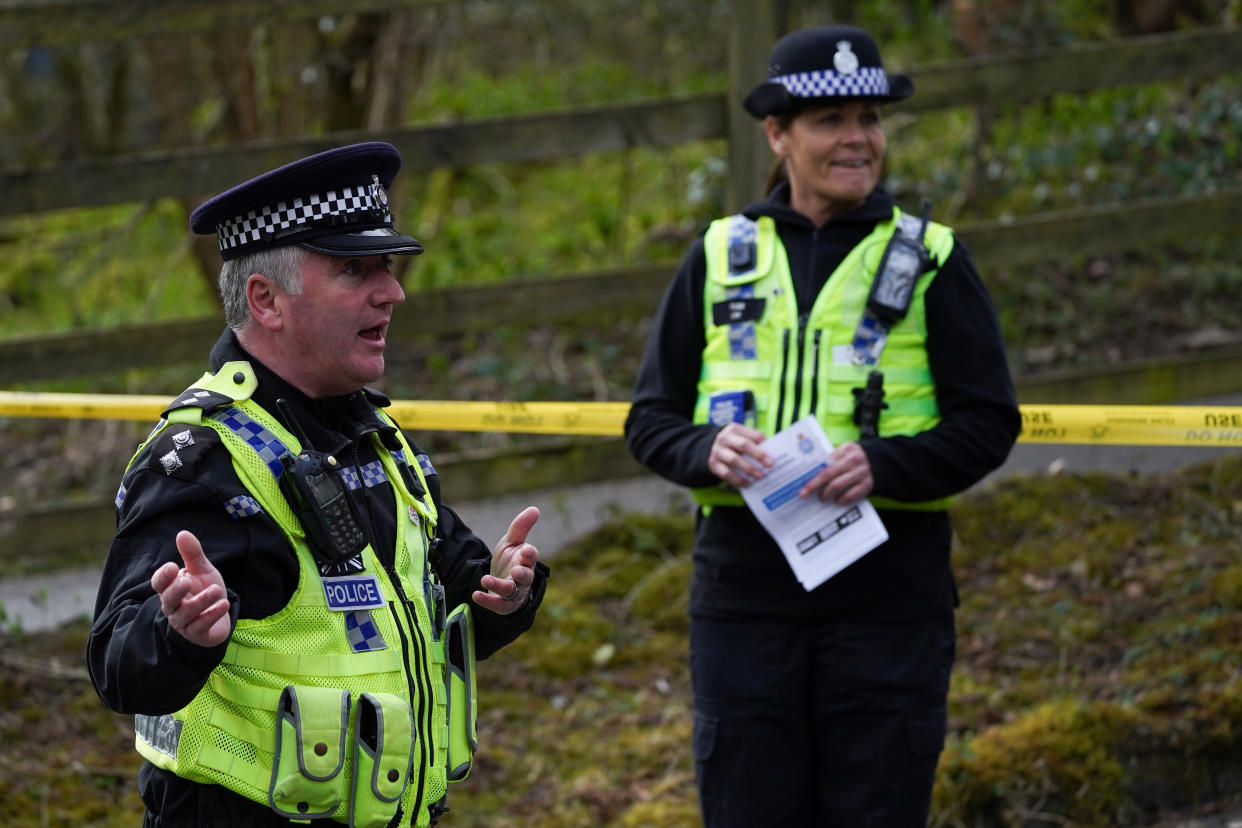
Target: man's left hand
pixel 513 568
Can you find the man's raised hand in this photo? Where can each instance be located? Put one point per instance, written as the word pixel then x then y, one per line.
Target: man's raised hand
pixel 193 597
pixel 512 575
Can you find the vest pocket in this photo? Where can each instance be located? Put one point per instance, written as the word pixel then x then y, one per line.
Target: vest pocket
pixel 383 756
pixel 462 710
pixel 311 723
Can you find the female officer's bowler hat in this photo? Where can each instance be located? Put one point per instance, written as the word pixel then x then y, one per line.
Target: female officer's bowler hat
pixel 824 64
pixel 333 202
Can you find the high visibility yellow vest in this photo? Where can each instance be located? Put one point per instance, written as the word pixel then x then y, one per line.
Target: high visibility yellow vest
pixel 296 717
pixel 798 366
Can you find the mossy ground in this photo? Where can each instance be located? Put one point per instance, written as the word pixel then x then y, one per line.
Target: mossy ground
pixel 1098 682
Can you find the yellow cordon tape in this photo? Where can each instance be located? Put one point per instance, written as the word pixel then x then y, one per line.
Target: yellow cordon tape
pixel 528 418
pixel 1125 425
pixel 1155 425
pixel 82 406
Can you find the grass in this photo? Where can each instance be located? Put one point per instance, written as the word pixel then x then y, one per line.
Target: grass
pixel 1098 682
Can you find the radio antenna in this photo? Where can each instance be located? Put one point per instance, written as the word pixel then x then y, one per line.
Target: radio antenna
pixel 292 422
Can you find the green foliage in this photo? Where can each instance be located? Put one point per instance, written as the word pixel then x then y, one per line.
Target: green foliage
pixel 910 31
pixel 1164 139
pixel 98 267
pixel 503 222
pixel 530 87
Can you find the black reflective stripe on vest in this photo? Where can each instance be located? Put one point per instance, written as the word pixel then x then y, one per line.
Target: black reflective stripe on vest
pixel 801 357
pixel 819 334
pixel 780 405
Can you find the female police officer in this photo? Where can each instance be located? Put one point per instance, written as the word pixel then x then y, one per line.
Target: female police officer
pixel 824 707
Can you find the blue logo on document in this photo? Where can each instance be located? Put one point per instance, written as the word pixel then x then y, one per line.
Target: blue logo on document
pixel 353 592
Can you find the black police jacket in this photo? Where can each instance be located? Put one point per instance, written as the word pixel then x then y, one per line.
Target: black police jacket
pixel 739 570
pixel 138 664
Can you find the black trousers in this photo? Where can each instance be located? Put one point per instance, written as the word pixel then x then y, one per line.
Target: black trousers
pixel 818 726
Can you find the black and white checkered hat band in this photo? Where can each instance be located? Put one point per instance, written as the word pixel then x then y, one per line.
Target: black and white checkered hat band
pixel 867 81
pixel 353 205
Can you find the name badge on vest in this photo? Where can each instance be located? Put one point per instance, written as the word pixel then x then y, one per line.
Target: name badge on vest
pixel 732 311
pixel 353 592
pixel 726 407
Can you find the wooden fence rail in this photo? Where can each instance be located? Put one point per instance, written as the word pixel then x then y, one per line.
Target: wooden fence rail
pixel 630 291
pixel 28 23
pixel 187 172
pixel 1012 79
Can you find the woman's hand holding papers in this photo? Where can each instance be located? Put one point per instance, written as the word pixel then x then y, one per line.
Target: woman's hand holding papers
pixel 735 456
pixel 847 479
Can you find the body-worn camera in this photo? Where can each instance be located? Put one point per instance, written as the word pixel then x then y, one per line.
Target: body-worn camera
pixel 904 261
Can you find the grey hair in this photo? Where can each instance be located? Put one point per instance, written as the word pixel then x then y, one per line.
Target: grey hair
pixel 283 265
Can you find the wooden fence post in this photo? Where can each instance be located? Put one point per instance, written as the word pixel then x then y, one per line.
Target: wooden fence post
pixel 754 27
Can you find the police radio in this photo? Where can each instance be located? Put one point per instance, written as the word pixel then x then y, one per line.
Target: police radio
pixel 313 487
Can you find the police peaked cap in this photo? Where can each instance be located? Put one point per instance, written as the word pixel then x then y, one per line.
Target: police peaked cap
pixel 824 64
pixel 334 202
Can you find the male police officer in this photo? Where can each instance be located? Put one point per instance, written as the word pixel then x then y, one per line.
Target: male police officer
pixel 287 605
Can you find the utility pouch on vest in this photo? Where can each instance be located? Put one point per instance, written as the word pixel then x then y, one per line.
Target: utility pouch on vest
pixel 311 724
pixel 383 752
pixel 462 710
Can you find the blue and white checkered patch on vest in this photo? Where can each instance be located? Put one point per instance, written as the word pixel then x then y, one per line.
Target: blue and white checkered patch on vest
pixel 260 439
pixel 742 340
pixel 870 337
pixel 825 83
pixel 240 506
pixel 373 474
pixel 424 463
pixel 120 496
pixel 743 233
pixel 363 635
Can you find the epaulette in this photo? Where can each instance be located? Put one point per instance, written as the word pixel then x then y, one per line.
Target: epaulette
pixel 234 382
